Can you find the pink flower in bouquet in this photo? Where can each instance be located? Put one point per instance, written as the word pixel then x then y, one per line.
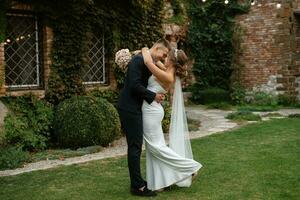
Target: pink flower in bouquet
pixel 122 58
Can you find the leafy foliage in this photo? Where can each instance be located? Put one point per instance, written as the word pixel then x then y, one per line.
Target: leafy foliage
pixel 29 123
pixel 130 24
pixel 167 116
pixel 12 157
pixel 3 7
pixel 110 95
pixel 83 121
pixel 210 95
pixel 210 38
pixel 243 115
pixel 262 99
pixel 238 94
pixel 141 27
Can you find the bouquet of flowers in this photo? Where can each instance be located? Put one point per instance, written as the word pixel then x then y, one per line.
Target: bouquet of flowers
pixel 122 58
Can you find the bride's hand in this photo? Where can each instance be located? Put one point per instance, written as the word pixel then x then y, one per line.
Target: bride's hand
pixel 146 55
pixel 161 65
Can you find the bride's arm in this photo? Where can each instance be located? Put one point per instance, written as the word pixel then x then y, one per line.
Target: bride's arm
pixel 161 75
pixel 161 65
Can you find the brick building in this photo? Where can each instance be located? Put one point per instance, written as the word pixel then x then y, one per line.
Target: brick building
pixel 267 56
pixel 25 60
pixel 268 53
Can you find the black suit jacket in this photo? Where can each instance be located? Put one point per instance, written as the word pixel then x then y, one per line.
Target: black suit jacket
pixel 135 86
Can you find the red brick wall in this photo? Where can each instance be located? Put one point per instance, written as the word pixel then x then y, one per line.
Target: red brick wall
pixel 267 56
pixel 47 45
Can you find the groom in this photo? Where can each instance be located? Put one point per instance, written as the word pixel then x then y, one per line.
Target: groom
pixel 129 107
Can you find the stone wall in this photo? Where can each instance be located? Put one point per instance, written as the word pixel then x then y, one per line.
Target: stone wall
pixel 268 54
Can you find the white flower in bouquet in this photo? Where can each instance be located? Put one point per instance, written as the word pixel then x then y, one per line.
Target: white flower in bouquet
pixel 122 58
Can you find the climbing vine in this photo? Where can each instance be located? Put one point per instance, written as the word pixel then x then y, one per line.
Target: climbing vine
pixel 124 23
pixel 210 38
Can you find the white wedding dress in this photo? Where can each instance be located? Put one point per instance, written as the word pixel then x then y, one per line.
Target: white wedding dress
pixel 165 165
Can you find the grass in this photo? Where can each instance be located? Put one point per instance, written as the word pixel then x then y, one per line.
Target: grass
pixel 258 161
pixel 256 108
pixel 243 116
pixel 52 154
pixel 273 115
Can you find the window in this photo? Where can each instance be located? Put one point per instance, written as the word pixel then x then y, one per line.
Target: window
pixel 22 51
pixel 95 72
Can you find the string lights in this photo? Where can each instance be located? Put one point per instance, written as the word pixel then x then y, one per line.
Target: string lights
pixel 9 41
pixel 252 3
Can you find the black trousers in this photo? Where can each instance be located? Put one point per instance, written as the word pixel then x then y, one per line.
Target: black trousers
pixel 133 127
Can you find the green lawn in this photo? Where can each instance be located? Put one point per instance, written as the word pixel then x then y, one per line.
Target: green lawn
pixel 258 161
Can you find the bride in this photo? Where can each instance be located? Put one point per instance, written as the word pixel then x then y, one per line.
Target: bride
pixel 173 164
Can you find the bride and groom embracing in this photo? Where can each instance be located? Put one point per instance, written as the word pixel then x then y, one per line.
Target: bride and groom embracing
pixel 146 83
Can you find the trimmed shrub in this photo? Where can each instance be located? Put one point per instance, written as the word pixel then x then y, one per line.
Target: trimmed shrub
pixel 85 121
pixel 110 95
pixel 210 95
pixel 12 157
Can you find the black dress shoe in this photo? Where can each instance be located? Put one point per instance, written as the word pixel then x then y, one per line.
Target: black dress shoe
pixel 145 192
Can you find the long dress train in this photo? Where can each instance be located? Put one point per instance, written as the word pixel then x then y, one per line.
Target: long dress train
pixel 164 166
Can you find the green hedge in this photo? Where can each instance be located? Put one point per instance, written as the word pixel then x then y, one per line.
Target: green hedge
pixel 210 95
pixel 84 121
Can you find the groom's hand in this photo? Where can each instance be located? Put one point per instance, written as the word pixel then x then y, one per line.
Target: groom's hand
pixel 159 97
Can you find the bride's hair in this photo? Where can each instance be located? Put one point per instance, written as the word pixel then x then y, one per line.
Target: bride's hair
pixel 180 61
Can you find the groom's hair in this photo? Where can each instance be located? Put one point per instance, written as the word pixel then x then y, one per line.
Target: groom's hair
pixel 164 43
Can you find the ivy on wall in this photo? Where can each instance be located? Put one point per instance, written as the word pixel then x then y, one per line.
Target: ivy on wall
pixel 143 27
pixel 124 23
pixel 210 38
pixel 3 7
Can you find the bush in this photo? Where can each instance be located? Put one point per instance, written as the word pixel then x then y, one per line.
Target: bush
pixel 12 157
pixel 110 95
pixel 243 115
pixel 167 117
pixel 286 100
pixel 254 108
pixel 85 121
pixel 220 105
pixel 263 99
pixel 294 115
pixel 29 123
pixel 238 94
pixel 211 95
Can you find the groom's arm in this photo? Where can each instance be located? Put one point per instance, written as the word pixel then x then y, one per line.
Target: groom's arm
pixel 135 75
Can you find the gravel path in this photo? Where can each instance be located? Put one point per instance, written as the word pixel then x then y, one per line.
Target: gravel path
pixel 212 122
